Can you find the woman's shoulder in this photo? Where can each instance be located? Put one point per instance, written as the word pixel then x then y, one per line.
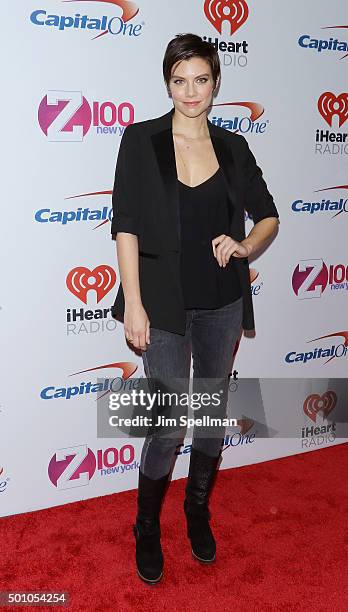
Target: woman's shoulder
pixel 150 125
pixel 232 138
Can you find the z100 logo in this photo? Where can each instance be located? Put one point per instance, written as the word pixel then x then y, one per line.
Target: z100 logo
pixel 332 108
pixel 118 26
pixel 234 13
pixel 311 277
pixel 75 466
pixel 66 116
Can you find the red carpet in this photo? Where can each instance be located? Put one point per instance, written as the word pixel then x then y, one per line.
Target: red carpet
pixel 280 526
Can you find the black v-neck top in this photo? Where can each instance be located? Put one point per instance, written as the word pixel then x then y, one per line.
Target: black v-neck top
pixel 205 214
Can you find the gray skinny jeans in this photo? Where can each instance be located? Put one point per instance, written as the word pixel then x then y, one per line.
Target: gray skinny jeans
pixel 210 337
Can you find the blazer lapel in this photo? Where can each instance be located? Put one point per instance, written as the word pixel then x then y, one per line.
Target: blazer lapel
pixel 164 150
pixel 226 162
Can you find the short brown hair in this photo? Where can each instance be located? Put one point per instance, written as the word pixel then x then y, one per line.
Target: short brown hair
pixel 185 46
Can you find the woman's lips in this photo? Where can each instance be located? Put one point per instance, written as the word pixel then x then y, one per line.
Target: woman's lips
pixel 191 103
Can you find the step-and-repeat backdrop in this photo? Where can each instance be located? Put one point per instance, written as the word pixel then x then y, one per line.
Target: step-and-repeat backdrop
pixel 75 73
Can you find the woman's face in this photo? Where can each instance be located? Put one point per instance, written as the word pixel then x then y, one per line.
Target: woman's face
pixel 191 86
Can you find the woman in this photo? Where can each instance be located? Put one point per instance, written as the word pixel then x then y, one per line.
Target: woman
pixel 181 186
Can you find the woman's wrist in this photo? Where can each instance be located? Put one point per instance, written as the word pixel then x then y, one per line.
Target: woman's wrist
pixel 132 301
pixel 248 245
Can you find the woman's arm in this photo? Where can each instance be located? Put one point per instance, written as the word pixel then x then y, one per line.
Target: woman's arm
pixel 260 234
pixel 260 204
pixel 127 251
pixel 126 228
pixel 136 322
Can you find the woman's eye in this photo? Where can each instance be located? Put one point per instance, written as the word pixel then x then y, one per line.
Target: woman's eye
pixel 199 80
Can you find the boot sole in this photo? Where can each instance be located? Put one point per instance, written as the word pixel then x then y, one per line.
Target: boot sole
pixel 147 580
pixel 203 560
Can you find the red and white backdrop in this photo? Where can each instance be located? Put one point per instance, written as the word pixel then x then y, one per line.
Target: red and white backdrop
pixel 74 74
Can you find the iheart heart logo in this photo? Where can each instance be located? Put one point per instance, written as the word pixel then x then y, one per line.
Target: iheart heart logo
pixel 330 105
pixel 236 12
pixel 81 280
pixel 319 403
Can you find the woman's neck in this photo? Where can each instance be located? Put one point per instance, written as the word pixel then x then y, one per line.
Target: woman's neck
pixel 190 127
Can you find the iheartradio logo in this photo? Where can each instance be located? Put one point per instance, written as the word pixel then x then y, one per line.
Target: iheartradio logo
pixel 81 280
pixel 235 12
pixel 330 105
pixel 315 403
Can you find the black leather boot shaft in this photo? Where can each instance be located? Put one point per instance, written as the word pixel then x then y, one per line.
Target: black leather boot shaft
pixel 202 473
pixel 150 495
pixel 147 531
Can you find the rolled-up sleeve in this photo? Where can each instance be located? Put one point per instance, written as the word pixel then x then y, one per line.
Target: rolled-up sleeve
pixel 259 202
pixel 125 195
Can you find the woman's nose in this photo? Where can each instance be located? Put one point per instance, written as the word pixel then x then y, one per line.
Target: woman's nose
pixel 190 90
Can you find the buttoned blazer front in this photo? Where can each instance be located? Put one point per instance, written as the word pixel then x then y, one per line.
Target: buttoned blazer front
pixel 145 202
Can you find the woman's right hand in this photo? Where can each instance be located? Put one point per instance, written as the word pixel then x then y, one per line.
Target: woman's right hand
pixel 136 325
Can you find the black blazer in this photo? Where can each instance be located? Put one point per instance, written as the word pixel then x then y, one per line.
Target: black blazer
pixel 145 202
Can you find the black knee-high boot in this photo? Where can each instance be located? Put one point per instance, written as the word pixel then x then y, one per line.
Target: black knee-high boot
pixel 202 472
pixel 147 531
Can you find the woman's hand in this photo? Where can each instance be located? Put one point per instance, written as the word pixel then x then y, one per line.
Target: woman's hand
pixel 136 325
pixel 224 246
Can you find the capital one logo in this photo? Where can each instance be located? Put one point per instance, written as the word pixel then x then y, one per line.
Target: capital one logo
pixel 311 277
pixel 129 8
pixel 315 403
pixel 253 273
pixel 242 437
pixel 117 25
pixel 330 105
pixel 81 280
pixel 235 12
pixel 3 482
pixel 66 116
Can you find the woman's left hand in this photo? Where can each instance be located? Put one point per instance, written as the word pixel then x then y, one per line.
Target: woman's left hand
pixel 224 246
